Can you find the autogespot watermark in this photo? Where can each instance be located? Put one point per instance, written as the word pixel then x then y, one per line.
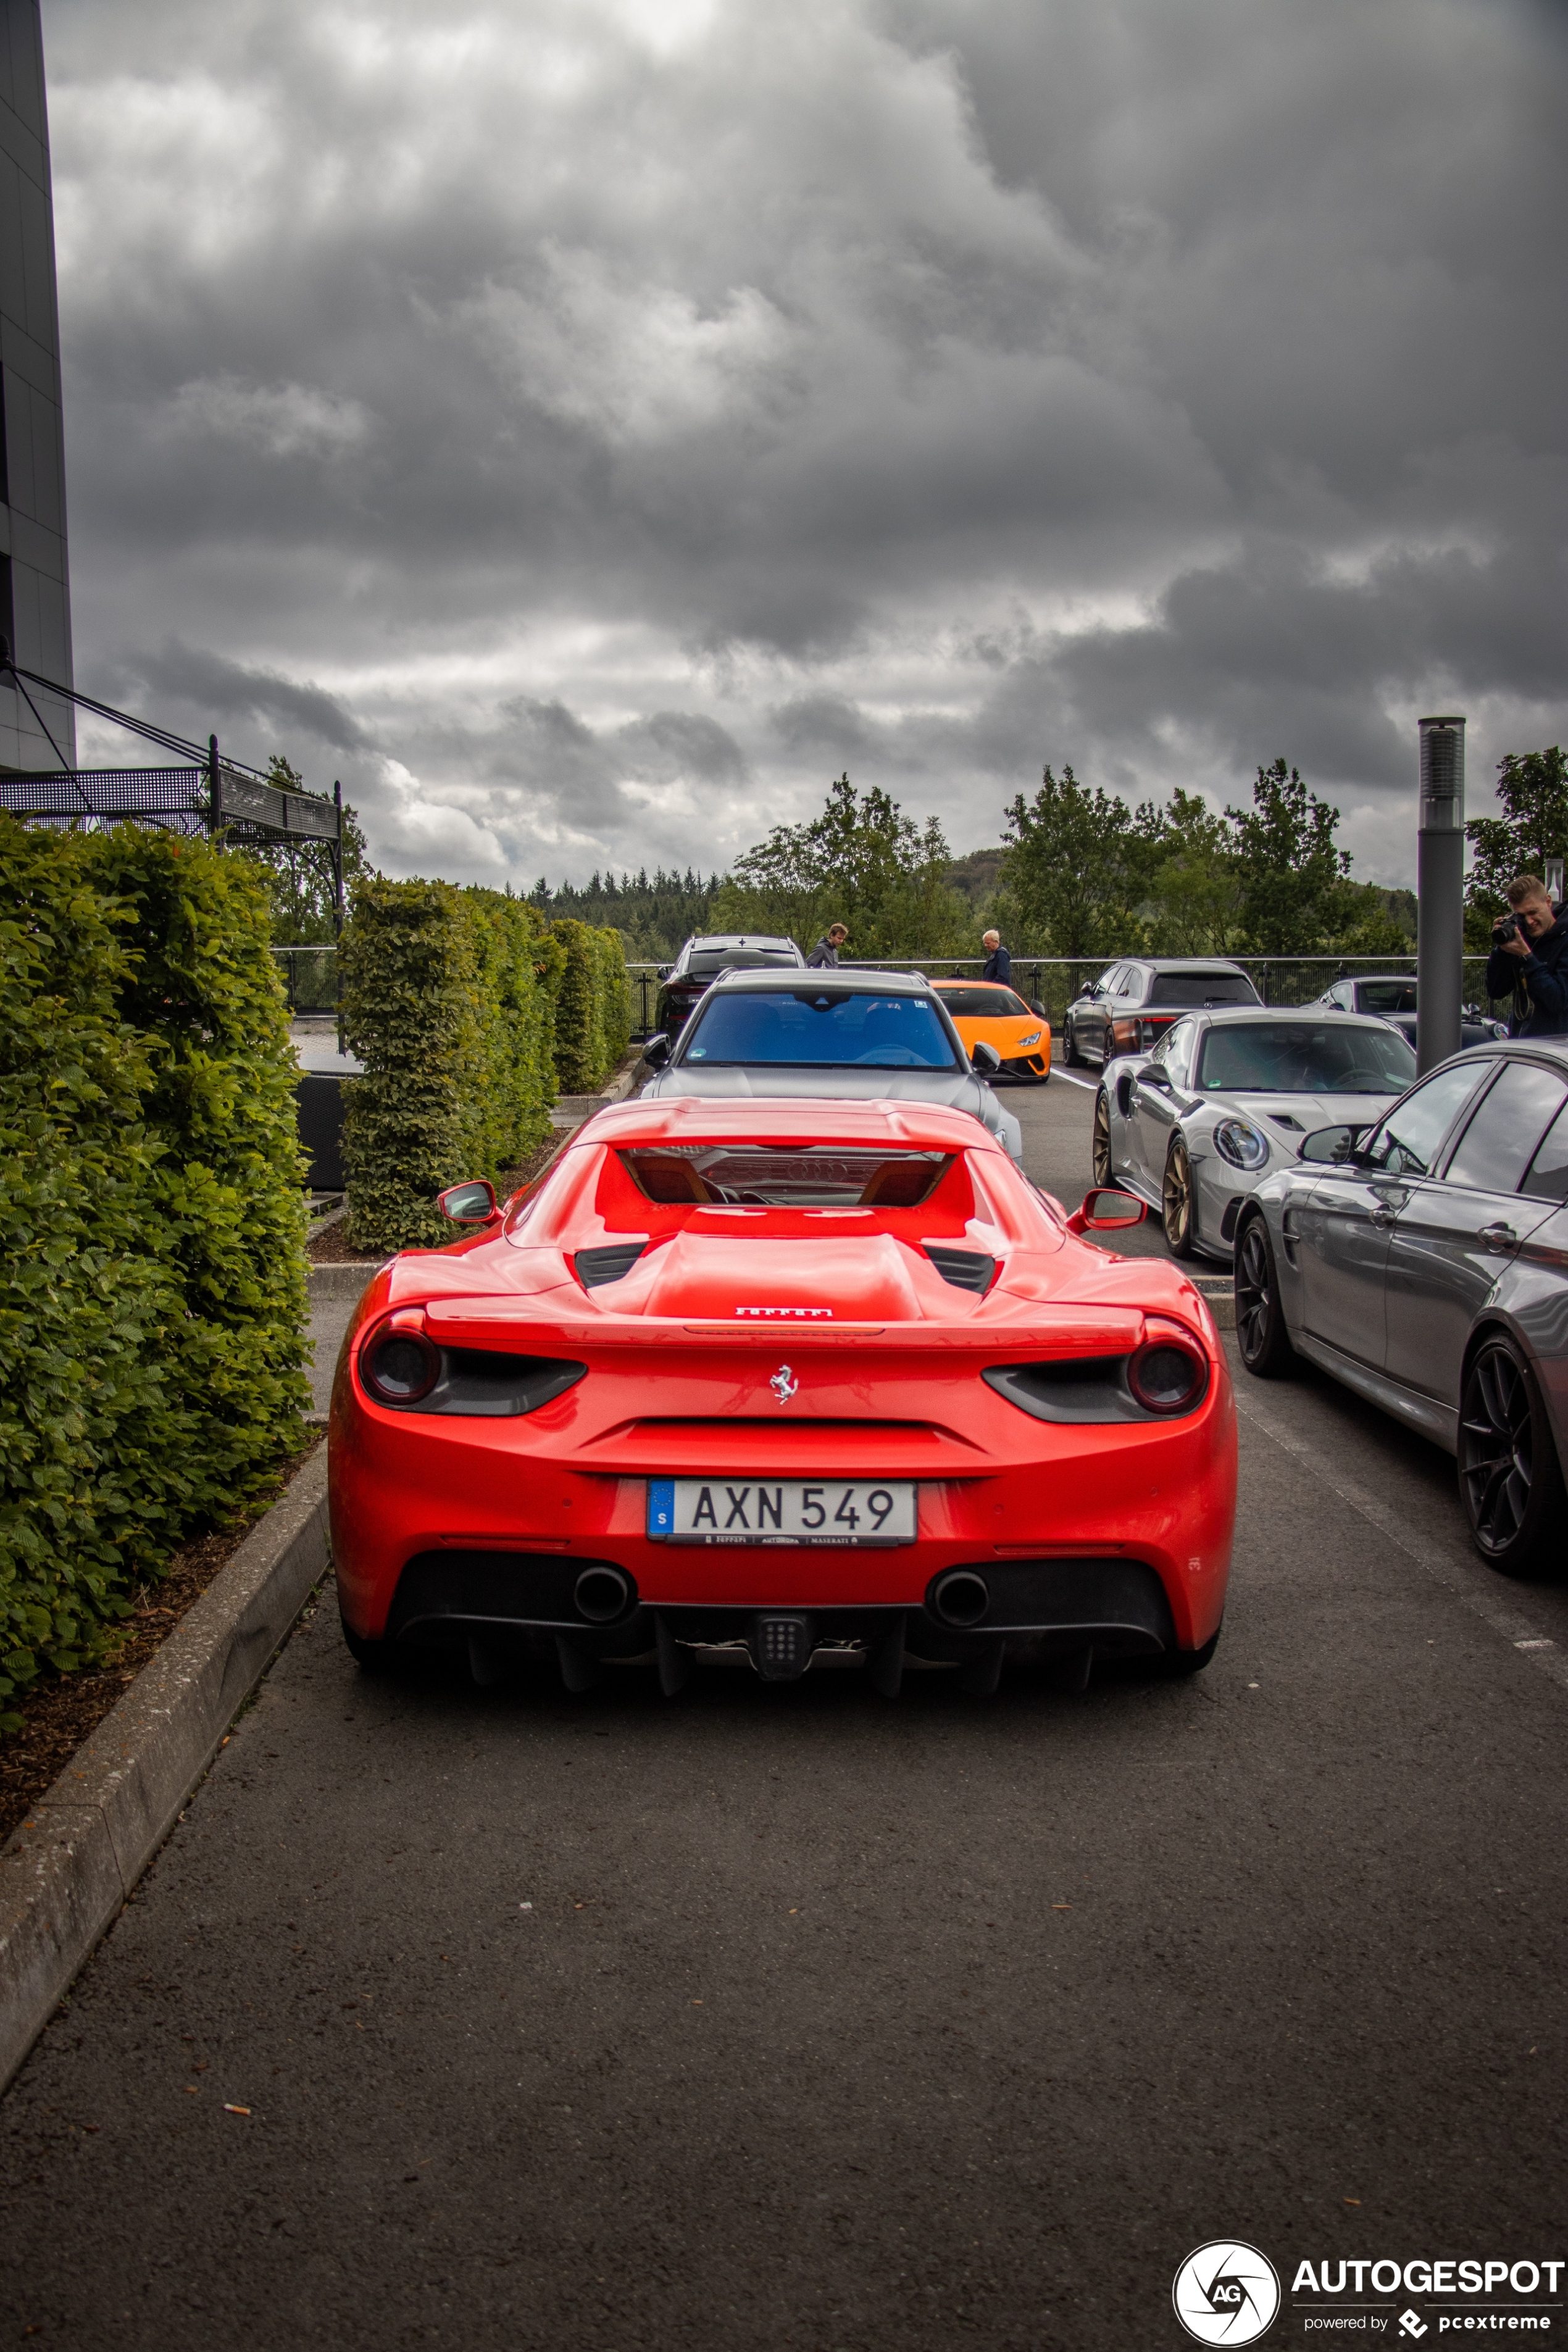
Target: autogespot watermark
pixel 1226 2293
pixel 1229 2293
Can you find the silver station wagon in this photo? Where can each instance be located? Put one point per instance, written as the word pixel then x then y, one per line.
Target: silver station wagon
pixel 1423 1260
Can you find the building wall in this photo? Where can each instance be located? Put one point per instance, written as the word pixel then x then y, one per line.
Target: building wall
pixel 35 584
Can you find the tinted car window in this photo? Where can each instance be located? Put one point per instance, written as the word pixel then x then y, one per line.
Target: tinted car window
pixel 1387 996
pixel 1175 1050
pixel 713 961
pixel 1202 988
pixel 822 1028
pixel 1507 1124
pixel 774 1177
pixel 1548 1177
pixel 1406 1142
pixel 987 1003
pixel 1297 1058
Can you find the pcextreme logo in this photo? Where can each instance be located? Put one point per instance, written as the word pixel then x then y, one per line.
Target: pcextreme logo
pixel 1226 2293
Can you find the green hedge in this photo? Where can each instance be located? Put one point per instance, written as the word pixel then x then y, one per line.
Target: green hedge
pixel 593 1017
pixel 445 996
pixel 467 1012
pixel 151 1274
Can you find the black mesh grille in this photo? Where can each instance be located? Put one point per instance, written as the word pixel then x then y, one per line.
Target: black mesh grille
pixel 596 1265
pixel 966 1269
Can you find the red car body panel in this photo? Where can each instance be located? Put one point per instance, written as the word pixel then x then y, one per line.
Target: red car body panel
pixel 885 1353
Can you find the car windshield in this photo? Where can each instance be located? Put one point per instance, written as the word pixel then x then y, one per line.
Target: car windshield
pixel 985 1004
pixel 712 961
pixel 1387 995
pixel 820 1028
pixel 1298 1057
pixel 1202 988
pixel 773 1176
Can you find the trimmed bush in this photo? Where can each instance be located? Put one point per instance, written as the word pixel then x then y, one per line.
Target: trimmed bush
pixel 467 1012
pixel 593 1015
pixel 151 1274
pixel 445 999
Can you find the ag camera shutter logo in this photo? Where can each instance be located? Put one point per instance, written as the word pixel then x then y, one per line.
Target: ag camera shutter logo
pixel 1226 2293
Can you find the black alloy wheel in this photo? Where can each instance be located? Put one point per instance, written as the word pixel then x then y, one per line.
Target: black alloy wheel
pixel 1070 1053
pixel 1261 1332
pixel 1104 1172
pixel 1509 1480
pixel 1176 1201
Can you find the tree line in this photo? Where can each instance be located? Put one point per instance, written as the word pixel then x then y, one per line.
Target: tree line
pixel 1077 873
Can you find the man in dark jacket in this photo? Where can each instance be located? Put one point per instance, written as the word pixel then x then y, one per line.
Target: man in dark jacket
pixel 824 956
pixel 998 962
pixel 1532 966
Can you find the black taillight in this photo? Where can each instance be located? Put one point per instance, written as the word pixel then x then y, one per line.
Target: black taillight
pixel 1168 1376
pixel 400 1367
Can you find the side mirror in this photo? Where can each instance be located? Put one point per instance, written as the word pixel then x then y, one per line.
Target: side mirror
pixel 467 1204
pixel 1106 1210
pixel 1154 1073
pixel 656 1051
pixel 1036 1008
pixel 985 1058
pixel 1331 1147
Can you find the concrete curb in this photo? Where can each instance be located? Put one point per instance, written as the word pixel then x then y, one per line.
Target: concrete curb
pixel 1219 1294
pixel 340 1278
pixel 66 1871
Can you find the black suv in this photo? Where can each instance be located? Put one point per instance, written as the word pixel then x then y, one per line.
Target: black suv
pixel 1130 1007
pixel 699 963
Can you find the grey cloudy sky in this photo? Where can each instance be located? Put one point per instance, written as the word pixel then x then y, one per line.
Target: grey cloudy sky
pixel 587 426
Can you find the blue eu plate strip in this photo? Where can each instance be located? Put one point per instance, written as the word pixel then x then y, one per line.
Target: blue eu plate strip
pixel 661 1506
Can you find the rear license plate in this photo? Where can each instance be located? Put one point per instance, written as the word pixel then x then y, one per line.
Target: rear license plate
pixel 782 1510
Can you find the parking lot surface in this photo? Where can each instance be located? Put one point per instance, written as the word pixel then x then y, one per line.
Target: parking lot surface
pixel 781 2015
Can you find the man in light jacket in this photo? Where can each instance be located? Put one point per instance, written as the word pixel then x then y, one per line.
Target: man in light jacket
pixel 824 956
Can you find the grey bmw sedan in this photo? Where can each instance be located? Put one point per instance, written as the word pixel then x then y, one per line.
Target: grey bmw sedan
pixel 1423 1260
pixel 880 1036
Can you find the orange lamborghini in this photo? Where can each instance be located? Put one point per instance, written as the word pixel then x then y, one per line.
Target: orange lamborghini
pixel 986 1012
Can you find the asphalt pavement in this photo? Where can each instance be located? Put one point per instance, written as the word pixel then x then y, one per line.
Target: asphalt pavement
pixel 785 2016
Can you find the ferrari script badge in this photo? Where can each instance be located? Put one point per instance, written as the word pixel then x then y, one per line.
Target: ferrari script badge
pixel 783 1384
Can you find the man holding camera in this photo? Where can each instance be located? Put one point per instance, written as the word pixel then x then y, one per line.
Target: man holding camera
pixel 1529 961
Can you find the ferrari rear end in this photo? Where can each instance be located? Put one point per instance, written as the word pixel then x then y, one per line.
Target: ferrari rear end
pixel 787 1376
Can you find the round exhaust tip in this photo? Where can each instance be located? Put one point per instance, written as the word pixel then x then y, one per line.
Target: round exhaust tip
pixel 960 1598
pixel 601 1594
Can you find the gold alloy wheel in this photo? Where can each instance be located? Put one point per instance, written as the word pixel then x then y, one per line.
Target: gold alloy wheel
pixel 1176 1200
pixel 1103 1172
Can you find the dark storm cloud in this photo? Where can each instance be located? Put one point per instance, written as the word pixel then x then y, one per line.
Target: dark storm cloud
pixel 217 688
pixel 636 410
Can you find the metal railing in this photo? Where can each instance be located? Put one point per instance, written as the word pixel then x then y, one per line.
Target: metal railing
pixel 316 989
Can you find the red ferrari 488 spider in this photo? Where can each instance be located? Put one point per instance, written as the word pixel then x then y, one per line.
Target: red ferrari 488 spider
pixel 787 1375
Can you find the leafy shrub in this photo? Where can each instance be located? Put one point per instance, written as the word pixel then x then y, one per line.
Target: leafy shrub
pixel 445 999
pixel 151 1275
pixel 593 1013
pixel 467 1010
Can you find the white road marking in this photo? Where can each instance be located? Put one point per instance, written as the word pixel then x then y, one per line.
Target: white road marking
pixel 1092 1084
pixel 1481 1602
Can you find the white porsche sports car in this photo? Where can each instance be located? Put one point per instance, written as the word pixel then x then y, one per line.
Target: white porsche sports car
pixel 1228 1096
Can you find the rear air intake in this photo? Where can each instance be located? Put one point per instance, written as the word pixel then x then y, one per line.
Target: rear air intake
pixel 596 1265
pixel 966 1269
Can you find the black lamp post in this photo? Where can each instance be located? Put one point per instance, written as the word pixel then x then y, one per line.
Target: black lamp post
pixel 1440 891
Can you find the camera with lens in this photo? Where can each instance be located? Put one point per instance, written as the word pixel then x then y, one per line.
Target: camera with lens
pixel 1506 928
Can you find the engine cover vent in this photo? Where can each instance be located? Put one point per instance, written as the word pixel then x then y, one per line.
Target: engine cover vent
pixel 966 1269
